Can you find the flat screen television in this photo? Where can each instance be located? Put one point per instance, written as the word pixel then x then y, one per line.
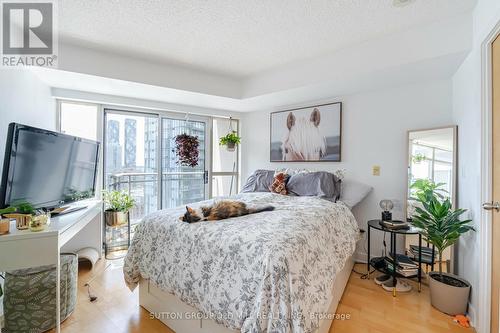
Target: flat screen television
pixel 46 168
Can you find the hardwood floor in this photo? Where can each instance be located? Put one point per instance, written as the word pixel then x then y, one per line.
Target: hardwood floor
pixel 371 309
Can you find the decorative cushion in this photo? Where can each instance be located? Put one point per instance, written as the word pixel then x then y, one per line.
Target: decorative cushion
pixel 279 183
pixel 30 296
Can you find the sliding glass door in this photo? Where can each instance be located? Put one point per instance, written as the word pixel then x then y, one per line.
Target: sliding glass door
pixel 130 158
pixel 183 184
pixel 140 158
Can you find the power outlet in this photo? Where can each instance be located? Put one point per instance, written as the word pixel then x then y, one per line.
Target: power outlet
pixel 376 170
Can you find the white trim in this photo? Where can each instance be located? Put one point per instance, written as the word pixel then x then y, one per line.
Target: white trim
pixel 485 238
pixel 141 105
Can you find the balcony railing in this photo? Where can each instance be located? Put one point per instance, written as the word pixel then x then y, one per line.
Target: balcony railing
pixel 179 188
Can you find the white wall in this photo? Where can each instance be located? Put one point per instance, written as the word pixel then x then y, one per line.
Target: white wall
pixel 467 114
pixel 374 132
pixel 24 99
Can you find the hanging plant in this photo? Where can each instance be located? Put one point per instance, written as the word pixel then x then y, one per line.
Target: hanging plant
pixel 187 150
pixel 417 158
pixel 230 140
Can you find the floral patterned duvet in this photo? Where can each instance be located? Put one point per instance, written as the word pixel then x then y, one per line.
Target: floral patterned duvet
pixel 266 272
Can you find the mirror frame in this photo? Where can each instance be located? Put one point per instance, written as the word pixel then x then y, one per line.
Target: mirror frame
pixel 455 163
pixel 454 196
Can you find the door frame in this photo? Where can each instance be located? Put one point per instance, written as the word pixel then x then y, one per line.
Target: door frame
pixel 485 230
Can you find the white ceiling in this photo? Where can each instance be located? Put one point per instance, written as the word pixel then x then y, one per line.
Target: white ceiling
pixel 441 138
pixel 240 38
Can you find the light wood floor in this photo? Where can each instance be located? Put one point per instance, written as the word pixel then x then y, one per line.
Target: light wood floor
pixel 371 309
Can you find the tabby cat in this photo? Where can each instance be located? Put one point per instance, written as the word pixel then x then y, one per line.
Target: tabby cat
pixel 221 210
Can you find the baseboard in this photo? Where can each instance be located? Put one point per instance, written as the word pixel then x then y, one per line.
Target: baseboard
pixel 360 257
pixel 471 313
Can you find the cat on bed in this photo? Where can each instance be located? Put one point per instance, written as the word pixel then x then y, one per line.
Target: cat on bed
pixel 221 210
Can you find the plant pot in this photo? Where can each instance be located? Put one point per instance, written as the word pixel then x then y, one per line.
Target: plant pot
pixel 114 219
pixel 450 299
pixel 231 146
pixel 39 222
pixel 22 220
pixel 4 226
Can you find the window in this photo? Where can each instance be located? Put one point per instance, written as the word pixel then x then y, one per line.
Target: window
pixel 432 163
pixel 79 119
pixel 139 158
pixel 225 164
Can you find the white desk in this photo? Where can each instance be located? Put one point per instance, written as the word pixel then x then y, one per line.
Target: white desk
pixel 24 249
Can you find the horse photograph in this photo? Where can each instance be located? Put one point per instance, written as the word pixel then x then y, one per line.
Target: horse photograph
pixel 309 134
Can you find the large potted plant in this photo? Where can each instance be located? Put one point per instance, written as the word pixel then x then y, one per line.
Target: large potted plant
pixel 118 205
pixel 230 140
pixel 441 226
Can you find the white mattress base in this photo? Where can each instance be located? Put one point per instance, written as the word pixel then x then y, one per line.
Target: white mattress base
pixel 183 318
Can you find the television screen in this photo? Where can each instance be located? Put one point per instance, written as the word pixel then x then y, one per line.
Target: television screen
pixel 47 169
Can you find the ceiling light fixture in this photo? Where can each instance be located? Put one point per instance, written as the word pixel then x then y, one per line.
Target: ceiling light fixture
pixel 402 3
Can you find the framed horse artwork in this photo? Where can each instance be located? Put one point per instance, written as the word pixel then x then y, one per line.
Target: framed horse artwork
pixel 308 134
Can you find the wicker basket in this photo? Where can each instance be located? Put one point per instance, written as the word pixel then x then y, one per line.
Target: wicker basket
pixel 29 302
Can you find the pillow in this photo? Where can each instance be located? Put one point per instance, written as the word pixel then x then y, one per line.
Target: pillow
pixel 353 192
pixel 259 181
pixel 320 183
pixel 279 183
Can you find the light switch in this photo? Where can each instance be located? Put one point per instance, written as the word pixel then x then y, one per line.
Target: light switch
pixel 376 170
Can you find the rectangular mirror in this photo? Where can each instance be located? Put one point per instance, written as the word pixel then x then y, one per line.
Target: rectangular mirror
pixel 432 155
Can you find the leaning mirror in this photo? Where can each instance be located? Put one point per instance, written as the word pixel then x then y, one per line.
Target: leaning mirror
pixel 432 156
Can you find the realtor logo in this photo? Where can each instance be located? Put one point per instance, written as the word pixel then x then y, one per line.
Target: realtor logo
pixel 28 33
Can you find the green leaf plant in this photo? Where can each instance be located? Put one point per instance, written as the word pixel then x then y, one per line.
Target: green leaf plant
pixel 440 224
pixel 230 138
pixel 118 201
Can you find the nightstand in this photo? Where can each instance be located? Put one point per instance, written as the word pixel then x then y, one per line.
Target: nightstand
pixel 375 262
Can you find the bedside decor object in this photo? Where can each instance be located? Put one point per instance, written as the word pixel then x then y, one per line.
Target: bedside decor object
pixel 231 139
pixel 387 206
pixel 309 134
pixel 394 225
pixel 117 217
pixel 441 226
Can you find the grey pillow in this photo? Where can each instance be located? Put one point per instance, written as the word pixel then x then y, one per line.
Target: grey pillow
pixel 259 181
pixel 354 192
pixel 320 183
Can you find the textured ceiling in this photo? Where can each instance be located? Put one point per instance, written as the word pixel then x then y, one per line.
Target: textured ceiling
pixel 239 38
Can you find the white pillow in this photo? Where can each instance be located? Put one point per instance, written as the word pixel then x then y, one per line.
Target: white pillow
pixel 353 192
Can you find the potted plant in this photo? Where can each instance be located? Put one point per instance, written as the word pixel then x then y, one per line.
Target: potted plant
pixel 118 205
pixel 22 212
pixel 230 140
pixel 417 158
pixel 441 226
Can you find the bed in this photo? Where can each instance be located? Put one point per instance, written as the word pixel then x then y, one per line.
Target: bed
pixel 278 271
